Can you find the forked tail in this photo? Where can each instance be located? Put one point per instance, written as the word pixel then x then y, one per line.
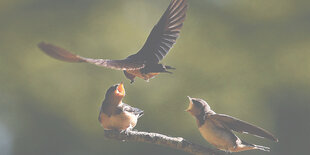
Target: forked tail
pixel 263 148
pixel 248 146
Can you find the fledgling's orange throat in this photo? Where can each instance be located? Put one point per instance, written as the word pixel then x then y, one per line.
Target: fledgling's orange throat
pixel 190 107
pixel 120 90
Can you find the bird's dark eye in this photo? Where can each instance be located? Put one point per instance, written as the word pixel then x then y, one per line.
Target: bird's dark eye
pixel 111 90
pixel 197 103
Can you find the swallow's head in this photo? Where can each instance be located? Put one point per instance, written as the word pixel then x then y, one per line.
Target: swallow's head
pixel 116 91
pixel 197 106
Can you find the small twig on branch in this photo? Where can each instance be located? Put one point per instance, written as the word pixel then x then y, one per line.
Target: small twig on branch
pixel 178 143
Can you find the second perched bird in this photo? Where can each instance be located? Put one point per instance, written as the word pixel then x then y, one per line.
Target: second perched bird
pixel 217 128
pixel 144 64
pixel 116 115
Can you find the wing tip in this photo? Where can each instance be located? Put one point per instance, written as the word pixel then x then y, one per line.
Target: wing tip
pixel 270 136
pixel 59 53
pixel 275 139
pixel 41 45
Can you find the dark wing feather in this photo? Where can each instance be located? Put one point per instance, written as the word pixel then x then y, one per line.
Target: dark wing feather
pixel 165 32
pixel 133 110
pixel 59 53
pixel 241 126
pixel 125 64
pixel 64 55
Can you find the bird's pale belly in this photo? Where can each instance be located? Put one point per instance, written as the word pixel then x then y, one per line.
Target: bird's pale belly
pixel 118 122
pixel 217 136
pixel 140 75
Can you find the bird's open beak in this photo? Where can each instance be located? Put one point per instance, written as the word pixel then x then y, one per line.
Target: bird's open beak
pixel 120 90
pixel 190 104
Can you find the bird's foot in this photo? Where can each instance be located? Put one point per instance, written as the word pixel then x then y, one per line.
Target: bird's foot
pixel 126 131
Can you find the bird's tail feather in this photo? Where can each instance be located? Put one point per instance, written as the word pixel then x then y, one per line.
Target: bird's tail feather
pixel 257 147
pixel 169 67
pixel 263 148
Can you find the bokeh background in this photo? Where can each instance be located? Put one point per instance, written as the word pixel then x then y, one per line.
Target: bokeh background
pixel 248 59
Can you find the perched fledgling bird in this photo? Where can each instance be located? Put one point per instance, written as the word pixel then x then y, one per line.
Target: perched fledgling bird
pixel 116 115
pixel 218 129
pixel 145 63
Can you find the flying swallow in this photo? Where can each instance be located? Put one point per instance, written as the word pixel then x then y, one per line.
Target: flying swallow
pixel 116 115
pixel 145 63
pixel 218 129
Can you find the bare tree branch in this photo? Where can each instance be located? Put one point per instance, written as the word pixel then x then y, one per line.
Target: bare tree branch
pixel 178 143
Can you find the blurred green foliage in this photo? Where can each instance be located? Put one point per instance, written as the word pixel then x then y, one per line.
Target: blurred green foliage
pixel 248 59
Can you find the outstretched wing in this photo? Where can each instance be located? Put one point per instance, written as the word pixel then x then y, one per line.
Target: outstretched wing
pixel 64 55
pixel 59 53
pixel 241 126
pixel 133 110
pixel 164 33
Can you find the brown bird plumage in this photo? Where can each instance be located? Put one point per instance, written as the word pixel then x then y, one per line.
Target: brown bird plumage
pixel 145 63
pixel 218 129
pixel 116 115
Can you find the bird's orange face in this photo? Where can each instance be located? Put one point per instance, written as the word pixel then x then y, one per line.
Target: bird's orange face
pixel 190 107
pixel 193 108
pixel 120 90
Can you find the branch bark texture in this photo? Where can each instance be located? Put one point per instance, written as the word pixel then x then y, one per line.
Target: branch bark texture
pixel 178 143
